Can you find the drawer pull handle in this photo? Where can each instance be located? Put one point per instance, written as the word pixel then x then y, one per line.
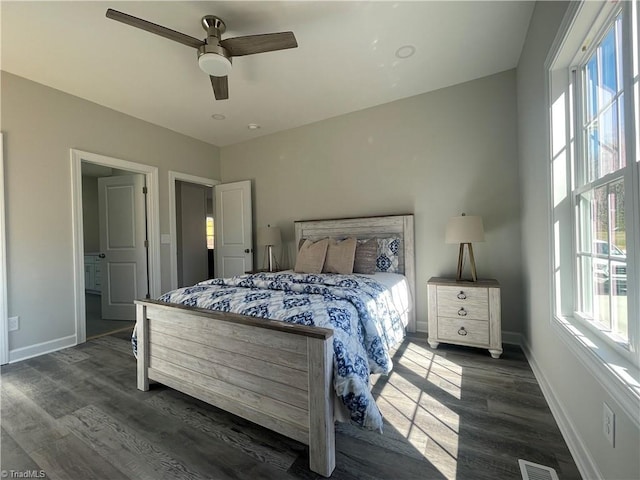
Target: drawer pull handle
pixel 462 312
pixel 462 331
pixel 462 295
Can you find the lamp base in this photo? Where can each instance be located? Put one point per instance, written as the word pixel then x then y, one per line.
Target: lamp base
pixel 272 264
pixel 474 276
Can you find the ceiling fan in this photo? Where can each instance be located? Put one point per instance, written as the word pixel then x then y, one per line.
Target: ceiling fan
pixel 214 54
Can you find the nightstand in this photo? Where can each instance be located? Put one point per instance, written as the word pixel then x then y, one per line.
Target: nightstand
pixel 465 313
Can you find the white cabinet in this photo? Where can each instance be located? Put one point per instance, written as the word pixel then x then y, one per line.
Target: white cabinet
pixel 465 313
pixel 93 273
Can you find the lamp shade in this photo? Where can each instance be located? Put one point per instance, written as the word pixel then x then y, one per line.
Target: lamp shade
pixel 464 229
pixel 269 236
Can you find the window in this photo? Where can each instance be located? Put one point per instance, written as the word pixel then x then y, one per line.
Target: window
pixel 599 195
pixel 596 205
pixel 210 233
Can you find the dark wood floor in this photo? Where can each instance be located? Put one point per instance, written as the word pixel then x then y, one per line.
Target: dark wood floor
pixel 96 325
pixel 451 413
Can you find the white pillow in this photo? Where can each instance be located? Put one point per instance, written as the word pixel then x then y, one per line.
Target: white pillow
pixel 311 256
pixel 340 256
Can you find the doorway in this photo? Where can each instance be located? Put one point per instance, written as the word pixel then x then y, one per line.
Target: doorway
pixel 195 227
pixel 103 303
pixel 192 227
pixel 115 256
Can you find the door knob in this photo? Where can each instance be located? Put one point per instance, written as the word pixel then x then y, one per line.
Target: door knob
pixel 246 250
pixel 102 255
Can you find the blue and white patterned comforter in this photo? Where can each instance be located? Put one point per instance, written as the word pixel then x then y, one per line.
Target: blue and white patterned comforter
pixel 358 309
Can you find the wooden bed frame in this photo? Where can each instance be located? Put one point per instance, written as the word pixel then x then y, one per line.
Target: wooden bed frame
pixel 282 374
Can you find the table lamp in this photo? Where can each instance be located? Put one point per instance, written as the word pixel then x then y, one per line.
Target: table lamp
pixel 464 230
pixel 269 237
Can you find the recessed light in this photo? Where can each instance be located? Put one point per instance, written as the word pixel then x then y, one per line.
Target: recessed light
pixel 253 126
pixel 218 116
pixel 405 51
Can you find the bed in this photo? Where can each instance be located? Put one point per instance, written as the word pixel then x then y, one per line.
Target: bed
pixel 277 374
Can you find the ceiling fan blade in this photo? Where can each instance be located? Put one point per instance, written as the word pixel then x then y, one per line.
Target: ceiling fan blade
pixel 153 28
pixel 267 42
pixel 220 87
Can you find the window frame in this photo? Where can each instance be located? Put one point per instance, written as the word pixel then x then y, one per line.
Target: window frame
pixel 581 184
pixel 616 368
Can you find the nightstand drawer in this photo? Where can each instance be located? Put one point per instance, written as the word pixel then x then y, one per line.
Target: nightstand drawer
pixel 461 302
pixel 474 332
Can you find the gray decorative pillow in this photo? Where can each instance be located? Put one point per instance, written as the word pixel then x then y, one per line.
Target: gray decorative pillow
pixel 340 256
pixel 366 255
pixel 387 255
pixel 311 256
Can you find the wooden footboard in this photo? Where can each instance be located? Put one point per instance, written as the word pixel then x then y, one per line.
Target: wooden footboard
pixel 275 374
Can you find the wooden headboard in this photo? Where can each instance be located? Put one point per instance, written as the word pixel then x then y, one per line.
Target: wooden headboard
pixel 368 227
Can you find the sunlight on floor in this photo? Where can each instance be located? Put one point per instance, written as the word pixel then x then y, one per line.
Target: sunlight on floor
pixel 430 426
pixel 436 369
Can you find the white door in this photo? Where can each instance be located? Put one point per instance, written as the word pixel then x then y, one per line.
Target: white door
pixel 234 247
pixel 121 205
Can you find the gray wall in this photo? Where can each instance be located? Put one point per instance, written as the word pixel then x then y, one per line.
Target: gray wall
pixel 434 155
pixel 577 393
pixel 40 126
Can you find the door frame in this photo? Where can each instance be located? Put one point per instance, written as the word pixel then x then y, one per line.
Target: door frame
pixel 4 310
pixel 153 227
pixel 173 243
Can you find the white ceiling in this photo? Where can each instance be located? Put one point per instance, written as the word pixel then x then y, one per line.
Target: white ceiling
pixel 345 60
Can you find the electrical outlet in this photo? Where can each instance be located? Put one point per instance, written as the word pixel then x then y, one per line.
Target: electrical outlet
pixel 14 323
pixel 609 424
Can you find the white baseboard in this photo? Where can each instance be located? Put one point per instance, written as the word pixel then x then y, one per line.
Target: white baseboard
pixel 584 462
pixel 41 348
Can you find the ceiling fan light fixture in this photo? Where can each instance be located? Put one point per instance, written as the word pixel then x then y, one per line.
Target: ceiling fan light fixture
pixel 214 64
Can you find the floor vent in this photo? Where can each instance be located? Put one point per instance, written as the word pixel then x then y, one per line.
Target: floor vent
pixel 535 471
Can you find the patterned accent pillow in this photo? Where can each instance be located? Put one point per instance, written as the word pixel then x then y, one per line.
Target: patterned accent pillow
pixel 387 255
pixel 311 256
pixel 340 256
pixel 366 255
